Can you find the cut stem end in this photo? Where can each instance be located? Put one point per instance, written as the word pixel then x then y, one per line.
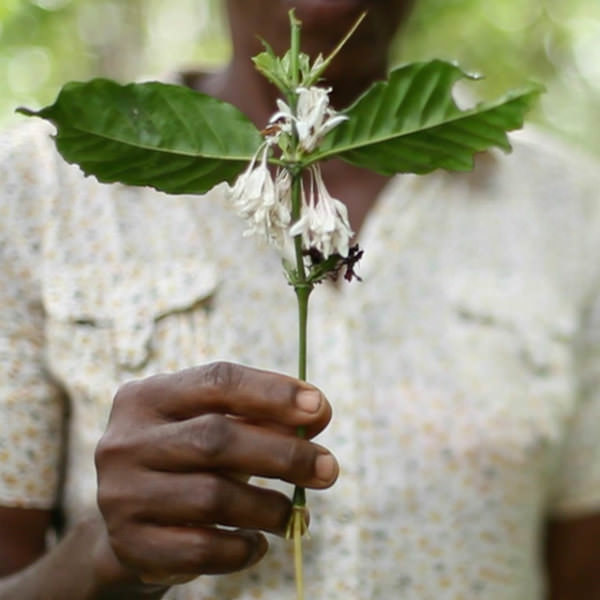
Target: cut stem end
pixel 297 527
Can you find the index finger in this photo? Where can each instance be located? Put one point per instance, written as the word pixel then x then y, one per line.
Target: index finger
pixel 232 389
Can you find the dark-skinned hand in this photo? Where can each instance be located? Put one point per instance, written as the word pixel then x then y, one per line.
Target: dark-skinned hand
pixel 174 462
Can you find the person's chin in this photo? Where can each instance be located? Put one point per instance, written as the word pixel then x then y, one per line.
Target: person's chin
pixel 327 10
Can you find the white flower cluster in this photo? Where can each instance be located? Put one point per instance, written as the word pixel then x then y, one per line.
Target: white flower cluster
pixel 323 223
pixel 264 200
pixel 313 119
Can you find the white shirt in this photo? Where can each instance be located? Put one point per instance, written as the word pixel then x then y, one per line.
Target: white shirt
pixel 463 370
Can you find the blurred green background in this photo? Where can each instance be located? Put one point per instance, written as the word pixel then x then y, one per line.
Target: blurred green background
pixel 44 43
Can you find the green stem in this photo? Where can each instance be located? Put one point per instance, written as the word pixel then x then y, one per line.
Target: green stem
pixel 303 291
pixel 302 287
pixel 294 48
pixel 302 294
pixel 292 94
pixel 297 524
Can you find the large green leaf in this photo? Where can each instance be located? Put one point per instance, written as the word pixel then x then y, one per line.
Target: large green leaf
pixel 411 123
pixel 165 136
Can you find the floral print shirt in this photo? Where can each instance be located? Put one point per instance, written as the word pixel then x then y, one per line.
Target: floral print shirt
pixel 464 370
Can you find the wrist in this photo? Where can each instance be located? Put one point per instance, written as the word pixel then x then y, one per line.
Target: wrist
pixel 112 579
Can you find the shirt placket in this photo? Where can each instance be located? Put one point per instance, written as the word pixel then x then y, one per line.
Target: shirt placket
pixel 332 356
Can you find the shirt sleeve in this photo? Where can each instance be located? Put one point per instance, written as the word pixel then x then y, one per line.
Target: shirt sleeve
pixel 31 404
pixel 577 486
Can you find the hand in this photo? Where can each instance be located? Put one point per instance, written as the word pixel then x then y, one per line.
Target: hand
pixel 169 464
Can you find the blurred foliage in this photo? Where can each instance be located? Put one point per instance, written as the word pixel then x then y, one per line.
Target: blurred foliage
pixel 556 42
pixel 44 43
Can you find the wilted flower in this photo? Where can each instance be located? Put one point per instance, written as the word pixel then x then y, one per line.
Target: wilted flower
pixel 263 201
pixel 313 119
pixel 323 222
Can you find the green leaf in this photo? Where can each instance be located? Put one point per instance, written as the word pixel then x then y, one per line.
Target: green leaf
pixel 310 76
pixel 166 136
pixel 270 66
pixel 411 123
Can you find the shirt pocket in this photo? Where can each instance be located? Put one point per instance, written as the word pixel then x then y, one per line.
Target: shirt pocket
pixel 515 356
pixel 103 319
pixel 527 312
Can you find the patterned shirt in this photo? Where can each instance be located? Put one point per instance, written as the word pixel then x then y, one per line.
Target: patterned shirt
pixel 464 370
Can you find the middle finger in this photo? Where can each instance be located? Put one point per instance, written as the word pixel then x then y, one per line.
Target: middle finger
pixel 217 442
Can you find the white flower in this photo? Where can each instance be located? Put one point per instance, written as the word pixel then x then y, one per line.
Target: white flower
pixel 281 216
pixel 323 223
pixel 264 202
pixel 313 119
pixel 254 190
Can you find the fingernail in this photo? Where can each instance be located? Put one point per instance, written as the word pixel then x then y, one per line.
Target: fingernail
pixel 308 400
pixel 326 467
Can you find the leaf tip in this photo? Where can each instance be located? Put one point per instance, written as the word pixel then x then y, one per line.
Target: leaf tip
pixel 473 75
pixel 265 45
pixel 537 88
pixel 294 21
pixel 28 112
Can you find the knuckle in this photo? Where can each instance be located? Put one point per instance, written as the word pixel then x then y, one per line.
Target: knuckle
pixel 105 449
pixel 103 498
pixel 282 390
pixel 212 435
pixel 119 538
pixel 112 447
pixel 115 484
pixel 140 393
pixel 100 452
pixel 222 374
pixel 121 506
pixel 211 498
pixel 295 458
pixel 112 505
pixel 127 392
pixel 275 512
pixel 113 488
pixel 108 500
pixel 205 554
pixel 201 551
